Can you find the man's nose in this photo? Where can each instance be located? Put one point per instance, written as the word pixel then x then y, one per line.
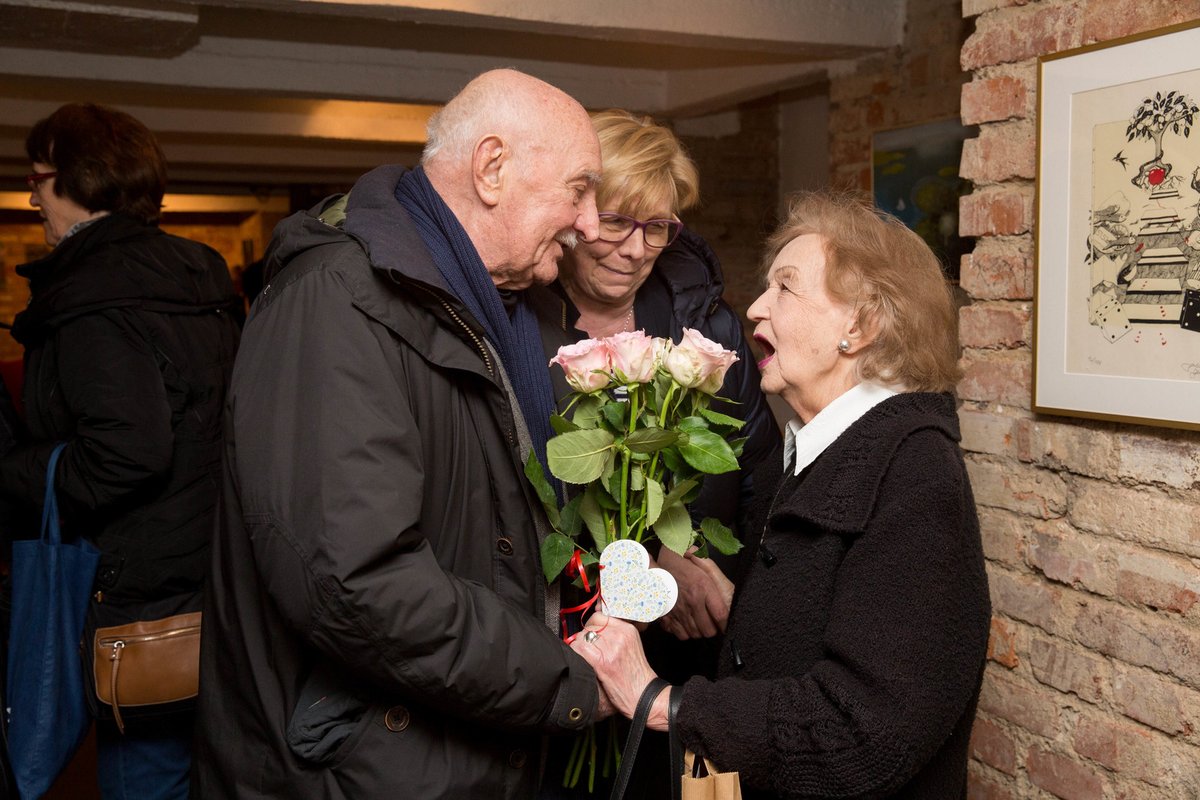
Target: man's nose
pixel 587 221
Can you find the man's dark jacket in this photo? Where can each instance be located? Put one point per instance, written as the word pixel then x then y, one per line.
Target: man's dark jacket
pixel 376 625
pixel 129 344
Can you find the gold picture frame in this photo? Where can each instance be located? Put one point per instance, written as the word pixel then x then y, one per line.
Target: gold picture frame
pixel 1117 236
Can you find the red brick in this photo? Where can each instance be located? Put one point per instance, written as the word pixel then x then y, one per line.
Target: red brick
pixel 995 99
pixel 1000 377
pixel 985 431
pixel 1111 19
pixel 1161 581
pixel 1069 668
pixel 1140 638
pixel 980 787
pixel 993 746
pixel 1017 487
pixel 1122 748
pixel 1001 152
pixel 1065 556
pixel 992 325
pixel 1076 446
pixel 1002 646
pixel 1062 776
pixel 1138 514
pixel 1156 701
pixel 1033 601
pixel 999 269
pixel 1160 457
pixel 1028 707
pixel 1023 33
pixel 1003 535
pixel 996 211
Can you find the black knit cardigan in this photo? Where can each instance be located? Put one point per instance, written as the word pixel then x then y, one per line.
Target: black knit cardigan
pixel 855 649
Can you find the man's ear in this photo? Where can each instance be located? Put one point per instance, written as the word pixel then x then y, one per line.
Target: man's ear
pixel 489 163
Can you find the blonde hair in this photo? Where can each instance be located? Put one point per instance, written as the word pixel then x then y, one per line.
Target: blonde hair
pixel 894 280
pixel 645 166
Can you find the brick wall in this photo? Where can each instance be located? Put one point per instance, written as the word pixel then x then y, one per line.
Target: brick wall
pixel 915 83
pixel 739 190
pixel 1092 530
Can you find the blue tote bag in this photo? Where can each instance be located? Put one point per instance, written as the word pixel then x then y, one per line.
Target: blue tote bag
pixel 47 712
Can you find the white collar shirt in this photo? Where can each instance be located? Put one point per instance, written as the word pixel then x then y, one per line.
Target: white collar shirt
pixel 802 444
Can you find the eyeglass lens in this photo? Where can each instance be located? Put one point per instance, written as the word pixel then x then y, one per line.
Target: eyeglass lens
pixel 656 232
pixel 34 179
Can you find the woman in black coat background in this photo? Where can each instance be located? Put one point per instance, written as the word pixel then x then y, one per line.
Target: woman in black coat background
pixel 129 343
pixel 855 648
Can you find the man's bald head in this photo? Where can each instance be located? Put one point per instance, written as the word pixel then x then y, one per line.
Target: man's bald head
pixel 516 159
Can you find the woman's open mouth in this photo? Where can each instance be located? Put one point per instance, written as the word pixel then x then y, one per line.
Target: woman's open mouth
pixel 767 347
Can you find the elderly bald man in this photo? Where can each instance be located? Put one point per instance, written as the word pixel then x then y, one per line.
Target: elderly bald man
pixel 376 624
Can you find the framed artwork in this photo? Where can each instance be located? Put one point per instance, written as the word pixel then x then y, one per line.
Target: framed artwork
pixel 1117 291
pixel 914 176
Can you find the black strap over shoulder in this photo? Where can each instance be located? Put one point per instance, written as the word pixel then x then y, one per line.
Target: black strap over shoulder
pixel 638 726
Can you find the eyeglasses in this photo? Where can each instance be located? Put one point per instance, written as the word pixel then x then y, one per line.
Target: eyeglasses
pixel 657 233
pixel 33 179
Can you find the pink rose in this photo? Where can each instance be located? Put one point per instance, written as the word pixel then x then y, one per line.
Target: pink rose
pixel 586 364
pixel 634 356
pixel 697 362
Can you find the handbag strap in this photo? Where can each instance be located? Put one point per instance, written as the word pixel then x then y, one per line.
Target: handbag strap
pixel 674 745
pixel 629 754
pixel 50 526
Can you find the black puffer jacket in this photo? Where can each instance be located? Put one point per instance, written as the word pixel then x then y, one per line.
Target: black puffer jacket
pixel 376 625
pixel 129 344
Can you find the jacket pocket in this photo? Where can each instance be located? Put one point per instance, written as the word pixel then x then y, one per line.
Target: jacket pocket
pixel 327 721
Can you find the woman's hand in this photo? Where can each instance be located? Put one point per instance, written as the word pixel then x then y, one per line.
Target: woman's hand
pixel 615 652
pixel 705 595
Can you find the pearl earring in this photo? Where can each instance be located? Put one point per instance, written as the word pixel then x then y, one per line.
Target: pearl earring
pixel 843 346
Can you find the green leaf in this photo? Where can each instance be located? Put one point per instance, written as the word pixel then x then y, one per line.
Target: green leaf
pixel 738 445
pixel 650 440
pixel 637 481
pixel 579 456
pixel 654 500
pixel 674 528
pixel 593 517
pixel 719 536
pixel 571 523
pixel 706 451
pixel 587 412
pixel 537 479
pixel 678 491
pixel 690 424
pixel 561 424
pixel 718 418
pixel 672 461
pixel 616 415
pixel 556 552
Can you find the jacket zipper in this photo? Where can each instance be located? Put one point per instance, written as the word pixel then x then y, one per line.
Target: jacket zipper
pixel 487 361
pixel 116 642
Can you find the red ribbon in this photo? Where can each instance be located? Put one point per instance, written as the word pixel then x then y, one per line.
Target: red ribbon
pixel 575 568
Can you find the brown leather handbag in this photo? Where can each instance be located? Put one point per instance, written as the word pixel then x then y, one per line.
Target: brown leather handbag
pixel 147 663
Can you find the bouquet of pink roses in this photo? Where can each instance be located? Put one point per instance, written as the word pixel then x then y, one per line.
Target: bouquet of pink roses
pixel 641 438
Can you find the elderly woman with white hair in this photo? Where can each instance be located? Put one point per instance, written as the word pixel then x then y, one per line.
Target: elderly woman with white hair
pixel 854 652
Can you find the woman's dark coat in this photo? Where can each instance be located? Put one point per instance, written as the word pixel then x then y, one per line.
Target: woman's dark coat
pixel 377 623
pixel 129 343
pixel 855 648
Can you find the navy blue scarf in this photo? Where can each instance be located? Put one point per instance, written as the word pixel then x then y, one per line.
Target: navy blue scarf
pixel 517 338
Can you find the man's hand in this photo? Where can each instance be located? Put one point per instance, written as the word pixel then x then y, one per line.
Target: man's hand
pixel 705 595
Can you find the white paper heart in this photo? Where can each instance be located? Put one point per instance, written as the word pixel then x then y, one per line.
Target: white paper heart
pixel 629 589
